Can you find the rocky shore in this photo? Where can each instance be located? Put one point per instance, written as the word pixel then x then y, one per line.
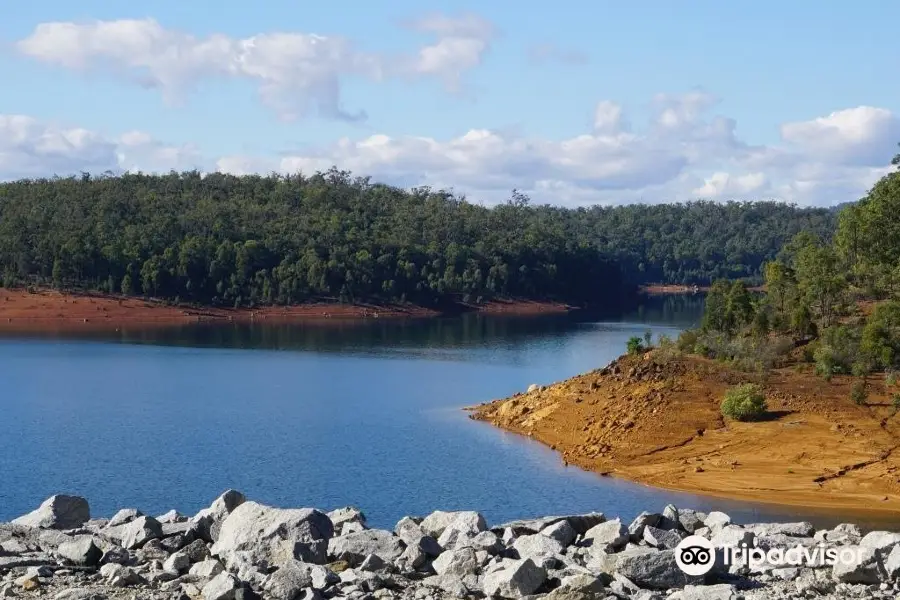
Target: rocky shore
pixel 238 549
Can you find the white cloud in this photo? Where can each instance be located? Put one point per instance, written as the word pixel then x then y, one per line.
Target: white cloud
pixel 296 73
pixel 30 148
pixel 682 153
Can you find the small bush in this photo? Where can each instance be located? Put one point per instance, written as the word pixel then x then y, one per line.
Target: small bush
pixel 687 340
pixel 667 349
pixel 895 401
pixel 635 345
pixel 891 379
pixel 648 338
pixel 858 393
pixel 745 402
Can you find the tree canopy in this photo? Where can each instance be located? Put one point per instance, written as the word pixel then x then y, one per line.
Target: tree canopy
pixel 230 240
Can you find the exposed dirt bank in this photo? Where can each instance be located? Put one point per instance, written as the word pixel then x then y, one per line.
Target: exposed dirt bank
pixel 658 422
pixel 49 310
pixel 665 289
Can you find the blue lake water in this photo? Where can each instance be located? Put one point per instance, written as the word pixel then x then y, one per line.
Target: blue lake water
pixel 314 415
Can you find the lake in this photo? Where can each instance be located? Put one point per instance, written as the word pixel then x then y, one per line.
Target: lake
pixel 318 414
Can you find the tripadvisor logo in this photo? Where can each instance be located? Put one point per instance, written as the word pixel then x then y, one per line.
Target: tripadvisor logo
pixel 696 555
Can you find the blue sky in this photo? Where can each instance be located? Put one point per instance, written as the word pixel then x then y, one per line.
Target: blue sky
pixel 737 78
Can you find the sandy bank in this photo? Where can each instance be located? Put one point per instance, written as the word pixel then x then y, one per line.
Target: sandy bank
pixel 50 310
pixel 658 422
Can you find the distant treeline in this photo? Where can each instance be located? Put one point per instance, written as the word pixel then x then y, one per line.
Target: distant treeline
pixel 243 241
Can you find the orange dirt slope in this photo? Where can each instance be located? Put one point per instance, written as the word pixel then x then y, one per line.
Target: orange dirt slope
pixel 658 422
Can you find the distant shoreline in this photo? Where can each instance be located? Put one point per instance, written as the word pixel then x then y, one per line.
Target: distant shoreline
pixel 46 310
pixel 664 289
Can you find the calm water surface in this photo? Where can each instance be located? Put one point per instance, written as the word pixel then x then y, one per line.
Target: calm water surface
pixel 314 415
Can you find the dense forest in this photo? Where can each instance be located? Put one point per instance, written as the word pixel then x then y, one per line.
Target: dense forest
pixel 243 241
pixel 832 303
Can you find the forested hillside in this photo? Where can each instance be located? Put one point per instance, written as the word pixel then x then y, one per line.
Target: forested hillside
pixel 242 241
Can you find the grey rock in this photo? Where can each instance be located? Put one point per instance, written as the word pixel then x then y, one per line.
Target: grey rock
pixel 892 563
pixel 355 547
pixel 196 551
pixel 81 551
pixel 610 535
pixel 273 535
pixel 140 531
pixel 732 536
pixel 222 587
pixel 173 516
pixel 126 515
pixel 662 538
pixel 207 569
pixel 373 563
pixel 798 529
pixel 178 562
pixel 487 541
pixel 288 581
pixel 716 519
pixel 537 547
pixel 209 520
pixel 116 555
pixel 636 528
pixel 514 579
pixel 469 522
pixel 561 531
pixel 880 540
pixel 691 520
pixel 722 591
pixel 58 512
pixel 655 570
pixel 120 576
pixel 348 514
pixel 864 566
pixel 580 523
pixel 458 563
pixel 79 594
pixel 583 586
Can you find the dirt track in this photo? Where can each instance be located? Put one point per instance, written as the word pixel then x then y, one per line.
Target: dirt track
pixel 659 423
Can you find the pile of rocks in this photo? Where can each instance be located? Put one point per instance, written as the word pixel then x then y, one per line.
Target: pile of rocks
pixel 238 549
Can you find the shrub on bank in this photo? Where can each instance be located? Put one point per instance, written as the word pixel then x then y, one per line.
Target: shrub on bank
pixel 858 393
pixel 745 402
pixel 635 345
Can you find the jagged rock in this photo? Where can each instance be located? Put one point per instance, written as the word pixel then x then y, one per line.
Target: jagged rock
pixel 664 539
pixel 222 587
pixel 561 531
pixel 116 555
pixel 355 547
pixel 140 531
pixel 892 563
pixel 514 579
pixel 799 529
pixel 577 587
pixel 126 515
pixel 468 522
pixel 178 562
pixel 196 551
pixel 81 551
pixel 609 535
pixel 78 594
pixel 880 540
pixel 722 591
pixel 487 541
pixel 655 570
pixel 717 519
pixel 732 536
pixel 864 568
pixel 119 576
pixel 537 547
pixel 458 563
pixel 207 569
pixel 636 528
pixel 57 512
pixel 273 535
pixel 209 520
pixel 691 520
pixel 347 515
pixel 580 523
pixel 172 516
pixel 288 581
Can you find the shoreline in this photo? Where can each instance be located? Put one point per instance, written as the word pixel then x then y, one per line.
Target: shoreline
pixel 239 549
pixel 666 289
pixel 659 425
pixel 47 310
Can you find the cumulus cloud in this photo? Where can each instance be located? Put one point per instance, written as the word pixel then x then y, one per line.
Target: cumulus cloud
pixel 296 73
pixel 683 152
pixel 31 148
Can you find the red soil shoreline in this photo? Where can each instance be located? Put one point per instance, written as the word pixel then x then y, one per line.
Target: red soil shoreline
pixel 50 310
pixel 666 289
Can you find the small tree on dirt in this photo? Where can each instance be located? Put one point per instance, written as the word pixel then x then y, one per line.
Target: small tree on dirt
pixel 635 345
pixel 648 338
pixel 746 402
pixel 858 393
